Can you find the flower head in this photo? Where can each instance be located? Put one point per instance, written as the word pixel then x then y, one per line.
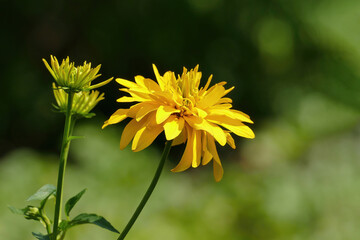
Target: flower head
pixel 72 78
pixel 186 112
pixel 82 104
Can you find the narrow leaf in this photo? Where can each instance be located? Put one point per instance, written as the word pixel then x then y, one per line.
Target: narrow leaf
pixel 41 236
pixel 72 201
pixel 93 219
pixel 75 137
pixel 16 210
pixel 43 193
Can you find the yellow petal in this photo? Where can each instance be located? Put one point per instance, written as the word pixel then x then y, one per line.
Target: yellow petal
pixel 212 96
pixel 206 158
pixel 203 90
pixel 106 123
pixel 134 109
pixel 145 136
pixel 225 100
pixel 163 112
pixel 196 149
pixel 129 132
pixel 240 130
pixel 181 138
pixel 151 85
pixel 222 119
pixel 173 127
pixel 218 170
pixel 128 99
pixel 230 141
pixel 117 117
pixel 139 80
pixel 159 78
pixel 203 124
pixel 126 83
pixel 187 156
pixel 145 109
pixel 201 113
pixel 206 155
pixel 230 113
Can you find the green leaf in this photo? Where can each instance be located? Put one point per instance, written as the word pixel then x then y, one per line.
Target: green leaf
pixel 43 194
pixel 75 137
pixel 41 236
pixel 72 201
pixel 29 212
pixel 16 210
pixel 93 219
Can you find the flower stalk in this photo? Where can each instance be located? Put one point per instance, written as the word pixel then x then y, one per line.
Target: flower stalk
pixel 148 191
pixel 62 165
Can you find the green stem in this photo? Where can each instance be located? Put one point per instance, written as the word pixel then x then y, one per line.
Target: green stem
pixel 62 165
pixel 46 220
pixel 148 192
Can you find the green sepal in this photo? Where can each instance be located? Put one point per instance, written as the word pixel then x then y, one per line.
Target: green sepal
pixel 72 201
pixel 43 194
pixel 55 107
pixel 93 219
pixel 89 115
pixel 41 236
pixel 84 115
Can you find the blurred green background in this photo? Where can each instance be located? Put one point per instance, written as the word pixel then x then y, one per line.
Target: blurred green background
pixel 296 69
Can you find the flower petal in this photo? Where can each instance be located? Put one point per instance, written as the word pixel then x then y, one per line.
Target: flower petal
pixel 218 170
pixel 163 112
pixel 230 141
pixel 212 96
pixel 145 136
pixel 129 132
pixel 173 127
pixel 145 109
pixel 187 157
pixel 159 78
pixel 134 109
pixel 151 85
pixel 240 130
pixel 116 117
pixel 229 113
pixel 182 137
pixel 206 155
pixel 196 149
pixel 129 99
pixel 203 124
pixel 126 83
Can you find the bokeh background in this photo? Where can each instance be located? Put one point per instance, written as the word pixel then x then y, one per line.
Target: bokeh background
pixel 295 66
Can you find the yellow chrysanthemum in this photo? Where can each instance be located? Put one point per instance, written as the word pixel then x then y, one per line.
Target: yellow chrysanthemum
pixel 185 112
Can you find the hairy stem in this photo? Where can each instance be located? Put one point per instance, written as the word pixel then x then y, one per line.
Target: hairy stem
pixel 62 165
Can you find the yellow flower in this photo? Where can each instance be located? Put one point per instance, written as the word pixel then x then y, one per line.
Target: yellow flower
pixel 185 112
pixel 82 104
pixel 72 78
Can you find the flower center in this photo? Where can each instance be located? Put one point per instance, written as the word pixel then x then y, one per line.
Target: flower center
pixel 186 107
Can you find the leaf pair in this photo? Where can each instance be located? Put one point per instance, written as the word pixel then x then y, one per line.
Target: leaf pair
pixel 36 213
